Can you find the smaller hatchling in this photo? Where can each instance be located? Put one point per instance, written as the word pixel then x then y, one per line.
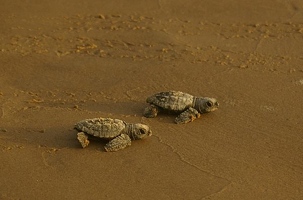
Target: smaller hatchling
pixel 118 132
pixel 187 106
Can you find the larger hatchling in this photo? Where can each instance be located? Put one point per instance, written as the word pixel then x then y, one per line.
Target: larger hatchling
pixel 188 106
pixel 118 132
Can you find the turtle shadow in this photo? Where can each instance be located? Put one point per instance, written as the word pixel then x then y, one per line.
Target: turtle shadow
pixel 116 108
pixel 107 107
pixel 95 143
pixel 165 116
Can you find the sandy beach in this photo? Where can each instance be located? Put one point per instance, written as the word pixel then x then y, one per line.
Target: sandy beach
pixel 62 62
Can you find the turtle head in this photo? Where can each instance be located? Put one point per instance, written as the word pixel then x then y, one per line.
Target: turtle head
pixel 140 131
pixel 206 104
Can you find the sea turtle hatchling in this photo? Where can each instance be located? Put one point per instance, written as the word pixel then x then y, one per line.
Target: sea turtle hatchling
pixel 117 131
pixel 189 106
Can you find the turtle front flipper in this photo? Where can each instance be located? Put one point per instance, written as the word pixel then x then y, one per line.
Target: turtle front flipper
pixel 118 143
pixel 188 115
pixel 151 111
pixel 83 139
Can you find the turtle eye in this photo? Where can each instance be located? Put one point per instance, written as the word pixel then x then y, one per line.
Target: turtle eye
pixel 209 104
pixel 142 131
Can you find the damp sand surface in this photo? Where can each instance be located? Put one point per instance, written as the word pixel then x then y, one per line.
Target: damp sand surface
pixel 62 62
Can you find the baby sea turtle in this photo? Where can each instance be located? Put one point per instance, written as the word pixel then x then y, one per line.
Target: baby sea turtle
pixel 117 131
pixel 189 107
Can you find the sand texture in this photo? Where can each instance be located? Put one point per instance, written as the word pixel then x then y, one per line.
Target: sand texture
pixel 65 61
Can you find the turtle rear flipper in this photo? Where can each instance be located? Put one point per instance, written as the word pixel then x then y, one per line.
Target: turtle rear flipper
pixel 151 111
pixel 188 115
pixel 82 138
pixel 118 143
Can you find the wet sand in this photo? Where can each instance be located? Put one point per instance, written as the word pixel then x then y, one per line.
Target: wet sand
pixel 64 62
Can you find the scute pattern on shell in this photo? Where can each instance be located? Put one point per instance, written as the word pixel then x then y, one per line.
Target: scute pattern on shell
pixel 101 127
pixel 172 100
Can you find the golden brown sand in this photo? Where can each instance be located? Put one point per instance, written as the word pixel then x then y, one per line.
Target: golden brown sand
pixel 64 61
